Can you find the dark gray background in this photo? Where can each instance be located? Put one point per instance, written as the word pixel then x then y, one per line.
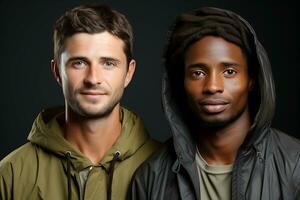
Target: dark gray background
pixel 27 85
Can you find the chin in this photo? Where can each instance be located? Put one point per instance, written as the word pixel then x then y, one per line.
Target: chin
pixel 96 111
pixel 215 123
pixel 219 120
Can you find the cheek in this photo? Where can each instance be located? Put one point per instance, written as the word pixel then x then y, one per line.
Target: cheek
pixel 192 89
pixel 238 90
pixel 71 79
pixel 115 80
pixel 119 78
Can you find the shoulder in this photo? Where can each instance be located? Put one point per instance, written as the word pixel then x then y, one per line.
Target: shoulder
pixel 285 143
pixel 152 176
pixel 20 156
pixel 17 167
pixel 286 150
pixel 150 146
pixel 160 162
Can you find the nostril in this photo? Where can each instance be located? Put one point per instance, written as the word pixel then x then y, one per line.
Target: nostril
pixel 91 81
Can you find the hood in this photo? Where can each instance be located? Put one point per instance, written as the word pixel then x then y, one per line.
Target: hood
pixel 47 134
pixel 262 114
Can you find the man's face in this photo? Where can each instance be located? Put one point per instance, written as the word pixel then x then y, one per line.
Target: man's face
pixel 93 73
pixel 216 81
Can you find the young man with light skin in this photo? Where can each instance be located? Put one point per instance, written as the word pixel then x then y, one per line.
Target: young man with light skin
pixel 93 72
pixel 90 148
pixel 218 96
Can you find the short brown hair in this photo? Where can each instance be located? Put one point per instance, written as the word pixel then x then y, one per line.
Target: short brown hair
pixel 92 19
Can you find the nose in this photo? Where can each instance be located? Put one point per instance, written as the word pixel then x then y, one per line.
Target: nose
pixel 93 75
pixel 213 84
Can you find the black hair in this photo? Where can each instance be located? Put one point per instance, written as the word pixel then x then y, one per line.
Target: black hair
pixel 191 27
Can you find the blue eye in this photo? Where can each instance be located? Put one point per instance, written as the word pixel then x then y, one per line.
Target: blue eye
pixel 78 64
pixel 109 64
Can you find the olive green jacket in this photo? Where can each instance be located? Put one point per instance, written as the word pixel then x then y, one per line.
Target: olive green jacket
pixel 48 167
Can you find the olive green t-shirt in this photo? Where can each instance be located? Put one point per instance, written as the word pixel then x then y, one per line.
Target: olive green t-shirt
pixel 215 180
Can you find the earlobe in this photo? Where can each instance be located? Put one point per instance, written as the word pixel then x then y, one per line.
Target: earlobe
pixel 55 71
pixel 130 72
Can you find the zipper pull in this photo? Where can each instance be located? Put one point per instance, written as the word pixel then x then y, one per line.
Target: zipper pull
pixel 259 156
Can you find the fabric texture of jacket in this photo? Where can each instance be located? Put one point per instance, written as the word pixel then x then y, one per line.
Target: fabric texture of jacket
pixel 267 165
pixel 48 167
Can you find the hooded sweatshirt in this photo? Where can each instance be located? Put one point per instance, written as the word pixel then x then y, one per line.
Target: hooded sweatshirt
pixel 267 165
pixel 48 167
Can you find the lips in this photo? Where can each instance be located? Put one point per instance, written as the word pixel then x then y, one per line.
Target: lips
pixel 213 106
pixel 92 93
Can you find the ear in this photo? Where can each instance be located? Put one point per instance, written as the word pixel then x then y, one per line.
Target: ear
pixel 130 72
pixel 251 84
pixel 55 71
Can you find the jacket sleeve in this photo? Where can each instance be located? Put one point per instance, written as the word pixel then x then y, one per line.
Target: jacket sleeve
pixel 296 179
pixel 139 186
pixel 5 181
pixel 137 190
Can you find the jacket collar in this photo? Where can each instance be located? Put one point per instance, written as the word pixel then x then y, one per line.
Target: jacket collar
pixel 47 134
pixel 184 144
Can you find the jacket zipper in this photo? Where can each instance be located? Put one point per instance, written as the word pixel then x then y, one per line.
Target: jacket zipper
pixel 235 191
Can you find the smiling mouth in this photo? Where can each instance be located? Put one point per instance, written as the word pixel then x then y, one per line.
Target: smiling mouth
pixel 213 106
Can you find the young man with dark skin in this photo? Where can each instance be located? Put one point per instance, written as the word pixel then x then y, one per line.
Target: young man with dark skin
pixel 218 96
pixel 217 84
pixel 91 148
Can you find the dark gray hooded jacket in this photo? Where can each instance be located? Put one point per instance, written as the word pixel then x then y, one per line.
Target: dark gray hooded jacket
pixel 267 165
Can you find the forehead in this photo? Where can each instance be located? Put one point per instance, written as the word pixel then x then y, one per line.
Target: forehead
pixel 214 49
pixel 97 44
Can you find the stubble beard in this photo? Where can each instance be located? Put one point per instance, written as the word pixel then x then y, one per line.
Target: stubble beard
pixel 102 112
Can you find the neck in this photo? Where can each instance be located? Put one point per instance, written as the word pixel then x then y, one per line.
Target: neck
pixel 220 146
pixel 92 136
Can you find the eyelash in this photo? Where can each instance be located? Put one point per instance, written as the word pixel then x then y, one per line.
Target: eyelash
pixel 199 73
pixel 109 64
pixel 76 64
pixel 231 70
pixel 79 64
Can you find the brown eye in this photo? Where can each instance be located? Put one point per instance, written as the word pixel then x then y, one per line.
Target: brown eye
pixel 197 74
pixel 230 72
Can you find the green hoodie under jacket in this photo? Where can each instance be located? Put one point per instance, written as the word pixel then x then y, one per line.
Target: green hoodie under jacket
pixel 48 167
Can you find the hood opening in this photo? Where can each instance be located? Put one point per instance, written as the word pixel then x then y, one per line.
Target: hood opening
pixel 261 99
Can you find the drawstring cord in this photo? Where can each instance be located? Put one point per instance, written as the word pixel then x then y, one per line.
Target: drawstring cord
pixel 68 155
pixel 111 173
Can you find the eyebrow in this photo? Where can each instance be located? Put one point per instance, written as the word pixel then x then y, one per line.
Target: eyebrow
pixel 203 65
pixel 87 60
pixel 110 59
pixel 77 58
pixel 229 64
pixel 196 65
